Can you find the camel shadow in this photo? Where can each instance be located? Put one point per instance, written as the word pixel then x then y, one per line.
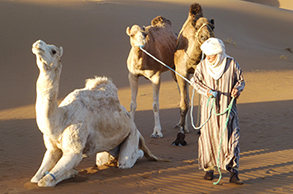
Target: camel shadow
pixel 265 162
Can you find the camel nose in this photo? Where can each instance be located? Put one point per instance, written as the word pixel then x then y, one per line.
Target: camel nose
pixel 141 41
pixel 38 44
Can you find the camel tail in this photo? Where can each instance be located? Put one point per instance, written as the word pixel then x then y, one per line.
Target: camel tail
pixel 147 153
pixel 195 9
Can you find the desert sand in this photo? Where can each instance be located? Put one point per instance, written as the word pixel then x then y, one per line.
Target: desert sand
pixel 257 34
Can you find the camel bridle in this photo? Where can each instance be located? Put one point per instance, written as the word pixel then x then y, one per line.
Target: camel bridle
pixel 201 27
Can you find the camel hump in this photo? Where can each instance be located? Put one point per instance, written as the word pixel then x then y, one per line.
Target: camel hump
pixel 195 9
pixel 93 83
pixel 159 21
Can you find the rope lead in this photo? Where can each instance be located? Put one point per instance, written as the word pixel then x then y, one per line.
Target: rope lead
pixel 228 109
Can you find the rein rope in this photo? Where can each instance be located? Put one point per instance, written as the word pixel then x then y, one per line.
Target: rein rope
pixel 164 64
pixel 228 109
pixel 197 32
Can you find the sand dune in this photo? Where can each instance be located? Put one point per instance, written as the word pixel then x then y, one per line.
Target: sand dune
pixel 92 33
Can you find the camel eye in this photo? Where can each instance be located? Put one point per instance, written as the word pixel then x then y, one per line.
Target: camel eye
pixel 54 52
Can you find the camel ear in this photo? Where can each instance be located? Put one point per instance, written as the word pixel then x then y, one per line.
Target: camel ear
pixel 128 31
pixel 61 51
pixel 212 21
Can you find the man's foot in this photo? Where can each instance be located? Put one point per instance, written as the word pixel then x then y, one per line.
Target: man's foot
pixel 235 179
pixel 209 175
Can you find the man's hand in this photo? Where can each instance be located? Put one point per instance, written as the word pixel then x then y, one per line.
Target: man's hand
pixel 235 93
pixel 212 93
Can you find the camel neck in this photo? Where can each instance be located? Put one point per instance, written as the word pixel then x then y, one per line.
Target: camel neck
pixel 46 103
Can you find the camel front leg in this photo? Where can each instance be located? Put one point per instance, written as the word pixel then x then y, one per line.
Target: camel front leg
pixel 156 80
pixel 133 81
pixel 103 158
pixel 50 159
pixel 62 170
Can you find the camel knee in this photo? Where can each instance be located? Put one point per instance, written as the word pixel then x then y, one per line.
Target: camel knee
pixel 132 108
pixel 157 129
pixel 155 107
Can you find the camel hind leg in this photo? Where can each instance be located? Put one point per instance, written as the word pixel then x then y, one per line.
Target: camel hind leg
pixel 129 150
pixel 133 148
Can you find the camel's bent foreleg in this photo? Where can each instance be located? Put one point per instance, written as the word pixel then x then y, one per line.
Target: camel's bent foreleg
pixel 103 158
pixel 62 170
pixel 51 157
pixel 157 133
pixel 129 150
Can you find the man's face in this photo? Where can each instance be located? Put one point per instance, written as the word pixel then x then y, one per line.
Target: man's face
pixel 211 58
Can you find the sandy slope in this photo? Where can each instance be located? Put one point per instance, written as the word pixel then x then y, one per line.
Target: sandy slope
pixel 92 34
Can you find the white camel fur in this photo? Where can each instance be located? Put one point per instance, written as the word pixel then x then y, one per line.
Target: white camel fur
pixel 88 121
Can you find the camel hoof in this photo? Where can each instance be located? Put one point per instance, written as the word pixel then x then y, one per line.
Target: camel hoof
pixel 35 179
pixel 156 135
pixel 46 181
pixel 180 140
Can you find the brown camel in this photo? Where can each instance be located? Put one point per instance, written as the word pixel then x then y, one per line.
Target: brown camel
pixel 194 32
pixel 159 40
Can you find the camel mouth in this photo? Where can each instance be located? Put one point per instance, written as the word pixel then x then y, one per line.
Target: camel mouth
pixel 37 50
pixel 39 47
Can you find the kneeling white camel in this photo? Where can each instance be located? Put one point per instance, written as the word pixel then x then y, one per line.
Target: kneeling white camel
pixel 88 121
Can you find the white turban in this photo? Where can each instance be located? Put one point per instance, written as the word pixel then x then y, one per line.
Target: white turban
pixel 215 46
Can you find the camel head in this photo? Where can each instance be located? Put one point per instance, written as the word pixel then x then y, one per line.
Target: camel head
pixel 47 56
pixel 137 35
pixel 203 29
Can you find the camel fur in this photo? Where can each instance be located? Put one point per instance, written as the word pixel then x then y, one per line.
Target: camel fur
pixel 88 121
pixel 159 40
pixel 194 32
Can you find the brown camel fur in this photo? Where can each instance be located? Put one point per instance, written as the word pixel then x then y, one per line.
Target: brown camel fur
pixel 194 32
pixel 159 40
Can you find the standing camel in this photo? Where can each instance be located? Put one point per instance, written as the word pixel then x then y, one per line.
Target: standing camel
pixel 88 121
pixel 159 40
pixel 194 32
